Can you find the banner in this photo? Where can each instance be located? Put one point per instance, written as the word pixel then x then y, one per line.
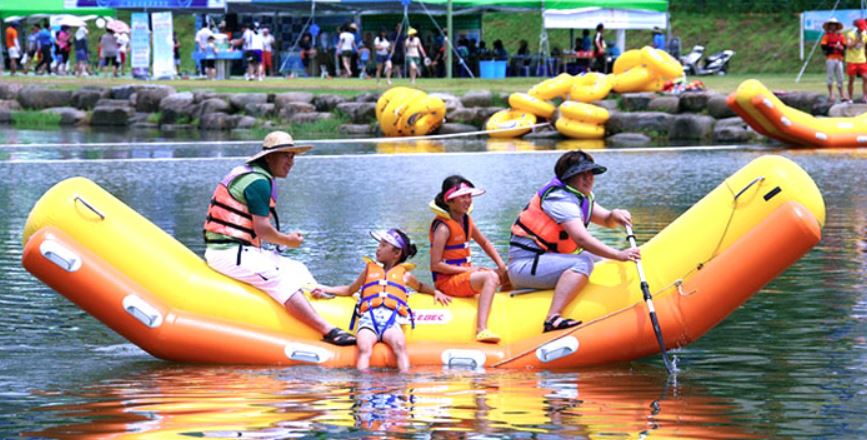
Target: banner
pixel 164 57
pixel 812 21
pixel 140 44
pixel 152 4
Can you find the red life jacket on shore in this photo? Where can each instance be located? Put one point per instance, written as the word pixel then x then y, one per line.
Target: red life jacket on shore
pixel 229 217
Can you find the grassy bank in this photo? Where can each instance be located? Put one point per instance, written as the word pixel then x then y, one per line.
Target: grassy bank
pixel 35 120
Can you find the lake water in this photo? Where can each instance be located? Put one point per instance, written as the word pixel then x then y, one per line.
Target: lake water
pixel 790 363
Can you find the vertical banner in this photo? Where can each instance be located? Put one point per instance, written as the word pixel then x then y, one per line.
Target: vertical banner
pixel 140 44
pixel 164 59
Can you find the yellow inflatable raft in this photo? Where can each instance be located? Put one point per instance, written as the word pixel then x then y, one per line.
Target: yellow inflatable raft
pixel 402 111
pixel 520 123
pixel 756 105
pixel 122 269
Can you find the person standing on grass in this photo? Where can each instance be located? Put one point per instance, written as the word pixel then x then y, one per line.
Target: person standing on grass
pixel 600 49
pixel 856 60
pixel 108 45
pixel 13 47
pixel 81 52
pixel 268 43
pixel 414 53
pixel 346 47
pixel 834 45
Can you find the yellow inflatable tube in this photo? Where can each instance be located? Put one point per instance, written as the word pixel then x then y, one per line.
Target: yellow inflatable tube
pixel 579 130
pixel 580 111
pixel 556 87
pixel 520 122
pixel 591 86
pixel 402 111
pixel 531 104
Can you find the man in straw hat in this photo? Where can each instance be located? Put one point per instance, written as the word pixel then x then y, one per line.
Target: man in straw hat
pixel 833 45
pixel 239 221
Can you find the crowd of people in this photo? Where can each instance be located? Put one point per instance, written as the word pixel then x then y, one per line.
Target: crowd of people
pixel 44 50
pixel 845 52
pixel 550 248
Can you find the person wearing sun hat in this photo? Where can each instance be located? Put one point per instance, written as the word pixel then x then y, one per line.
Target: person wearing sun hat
pixel 550 246
pixel 238 223
pixel 414 52
pixel 383 302
pixel 855 58
pixel 833 45
pixel 450 261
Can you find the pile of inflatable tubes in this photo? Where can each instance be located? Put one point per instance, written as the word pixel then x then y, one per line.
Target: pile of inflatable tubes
pixel 767 115
pixel 402 111
pixel 637 70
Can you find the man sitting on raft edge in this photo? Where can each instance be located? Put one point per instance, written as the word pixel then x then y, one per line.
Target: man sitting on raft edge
pixel 239 221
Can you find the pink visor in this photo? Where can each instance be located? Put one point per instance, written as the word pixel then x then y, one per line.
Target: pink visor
pixel 462 189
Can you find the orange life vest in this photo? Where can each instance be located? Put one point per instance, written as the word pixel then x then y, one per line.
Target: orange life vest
pixel 535 224
pixel 457 249
pixel 229 217
pixel 387 289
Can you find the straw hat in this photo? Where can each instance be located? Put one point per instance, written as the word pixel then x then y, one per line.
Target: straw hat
pixel 279 142
pixel 411 31
pixel 832 22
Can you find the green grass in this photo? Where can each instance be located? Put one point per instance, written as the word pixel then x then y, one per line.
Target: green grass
pixel 35 119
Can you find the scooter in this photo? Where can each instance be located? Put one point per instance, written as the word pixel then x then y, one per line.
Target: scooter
pixel 716 64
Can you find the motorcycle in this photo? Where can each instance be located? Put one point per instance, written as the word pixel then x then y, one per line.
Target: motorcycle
pixel 716 64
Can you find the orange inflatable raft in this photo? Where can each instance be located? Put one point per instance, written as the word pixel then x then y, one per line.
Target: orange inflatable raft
pixel 104 256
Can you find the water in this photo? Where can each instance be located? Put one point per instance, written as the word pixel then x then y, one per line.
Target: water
pixel 789 364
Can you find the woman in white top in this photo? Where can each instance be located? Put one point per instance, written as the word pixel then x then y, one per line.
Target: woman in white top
pixel 414 53
pixel 347 47
pixel 382 47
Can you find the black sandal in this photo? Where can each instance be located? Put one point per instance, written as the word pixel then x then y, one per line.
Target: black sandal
pixel 562 324
pixel 339 337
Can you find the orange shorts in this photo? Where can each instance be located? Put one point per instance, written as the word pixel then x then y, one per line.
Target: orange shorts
pixel 456 285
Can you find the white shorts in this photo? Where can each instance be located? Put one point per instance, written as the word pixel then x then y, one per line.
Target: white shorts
pixel 278 276
pixel 14 53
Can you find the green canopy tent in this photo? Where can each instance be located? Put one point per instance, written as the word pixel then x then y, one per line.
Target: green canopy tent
pixel 25 8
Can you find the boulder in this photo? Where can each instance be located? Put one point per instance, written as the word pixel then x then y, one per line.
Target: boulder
pixel 105 102
pixel 307 118
pixel 731 122
pixel 247 122
pixel 454 128
pixel 802 101
pixel 478 98
pixel 5 116
pixel 465 115
pixel 204 95
pixel 847 110
pixel 821 108
pixel 259 110
pixel 282 99
pixel 717 107
pixel 147 99
pixel 690 126
pixel 212 105
pixel 607 104
pixel 9 90
pixel 358 112
pixel 68 115
pixel 38 98
pixel 111 115
pixel 732 134
pixel 123 92
pixel 327 102
pixel 356 129
pixel 176 107
pixel 628 140
pixel 10 104
pixel 636 102
pixel 665 104
pixel 239 101
pixel 544 133
pixel 139 117
pixel 694 102
pixel 657 122
pixel 452 101
pixel 367 97
pixel 86 97
pixel 216 121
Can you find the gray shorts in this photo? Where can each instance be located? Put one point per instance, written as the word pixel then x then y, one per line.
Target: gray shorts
pixel 834 71
pixel 382 314
pixel 548 269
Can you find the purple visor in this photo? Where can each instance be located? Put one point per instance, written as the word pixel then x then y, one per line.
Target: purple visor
pixel 393 238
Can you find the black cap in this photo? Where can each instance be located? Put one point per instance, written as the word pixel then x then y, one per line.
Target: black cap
pixel 583 165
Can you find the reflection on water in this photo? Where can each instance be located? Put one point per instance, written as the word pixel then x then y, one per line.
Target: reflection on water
pixel 224 402
pixel 790 363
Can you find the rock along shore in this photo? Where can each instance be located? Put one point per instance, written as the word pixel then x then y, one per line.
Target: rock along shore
pixel 636 118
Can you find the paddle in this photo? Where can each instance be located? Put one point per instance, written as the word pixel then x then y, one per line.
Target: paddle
pixel 645 289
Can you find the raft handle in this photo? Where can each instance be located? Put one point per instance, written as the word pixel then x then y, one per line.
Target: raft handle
pixel 307 353
pixel 457 358
pixel 78 198
pixel 744 189
pixel 142 311
pixel 557 349
pixel 304 356
pixel 58 254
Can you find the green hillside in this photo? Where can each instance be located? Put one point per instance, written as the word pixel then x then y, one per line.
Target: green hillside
pixel 764 43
